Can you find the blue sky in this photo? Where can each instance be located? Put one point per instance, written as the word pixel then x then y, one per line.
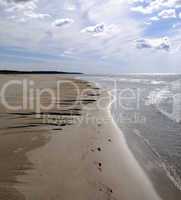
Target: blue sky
pixel 93 36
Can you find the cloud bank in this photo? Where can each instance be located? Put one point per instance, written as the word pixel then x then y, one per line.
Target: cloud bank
pixel 106 35
pixel 158 44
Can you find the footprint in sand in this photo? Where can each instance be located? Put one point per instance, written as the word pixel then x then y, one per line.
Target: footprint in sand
pixel 99 149
pixel 99 125
pixel 107 192
pixel 98 165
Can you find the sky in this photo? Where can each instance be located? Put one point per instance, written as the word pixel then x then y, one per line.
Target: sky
pixel 91 36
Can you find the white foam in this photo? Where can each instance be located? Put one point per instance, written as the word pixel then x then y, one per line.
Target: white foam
pixel 170 94
pixel 168 169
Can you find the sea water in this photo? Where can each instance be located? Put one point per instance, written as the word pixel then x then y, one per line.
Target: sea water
pixel 147 108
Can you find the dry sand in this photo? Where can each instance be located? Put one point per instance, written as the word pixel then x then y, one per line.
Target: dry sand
pixel 84 159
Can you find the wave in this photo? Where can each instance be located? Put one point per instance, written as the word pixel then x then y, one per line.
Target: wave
pixel 168 169
pixel 167 100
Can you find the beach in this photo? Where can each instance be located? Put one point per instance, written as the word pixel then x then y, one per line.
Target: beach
pixel 147 111
pixel 73 151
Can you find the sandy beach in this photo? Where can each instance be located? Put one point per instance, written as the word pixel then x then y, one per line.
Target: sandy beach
pixel 75 151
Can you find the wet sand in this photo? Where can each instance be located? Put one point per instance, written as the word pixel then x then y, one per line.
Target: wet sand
pixel 83 155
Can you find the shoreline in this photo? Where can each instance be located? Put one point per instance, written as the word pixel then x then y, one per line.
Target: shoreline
pixel 94 172
pixel 144 174
pixel 83 160
pixel 151 163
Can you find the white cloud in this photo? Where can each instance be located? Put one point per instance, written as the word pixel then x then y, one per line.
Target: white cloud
pixel 180 15
pixel 17 6
pixel 166 14
pixel 102 30
pixel 154 43
pixel 22 10
pixel 62 22
pixel 34 15
pixel 141 9
pixel 155 18
pixel 99 28
pixel 107 11
pixel 70 6
pixel 157 5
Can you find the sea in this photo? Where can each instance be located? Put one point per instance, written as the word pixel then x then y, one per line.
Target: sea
pixel 147 109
